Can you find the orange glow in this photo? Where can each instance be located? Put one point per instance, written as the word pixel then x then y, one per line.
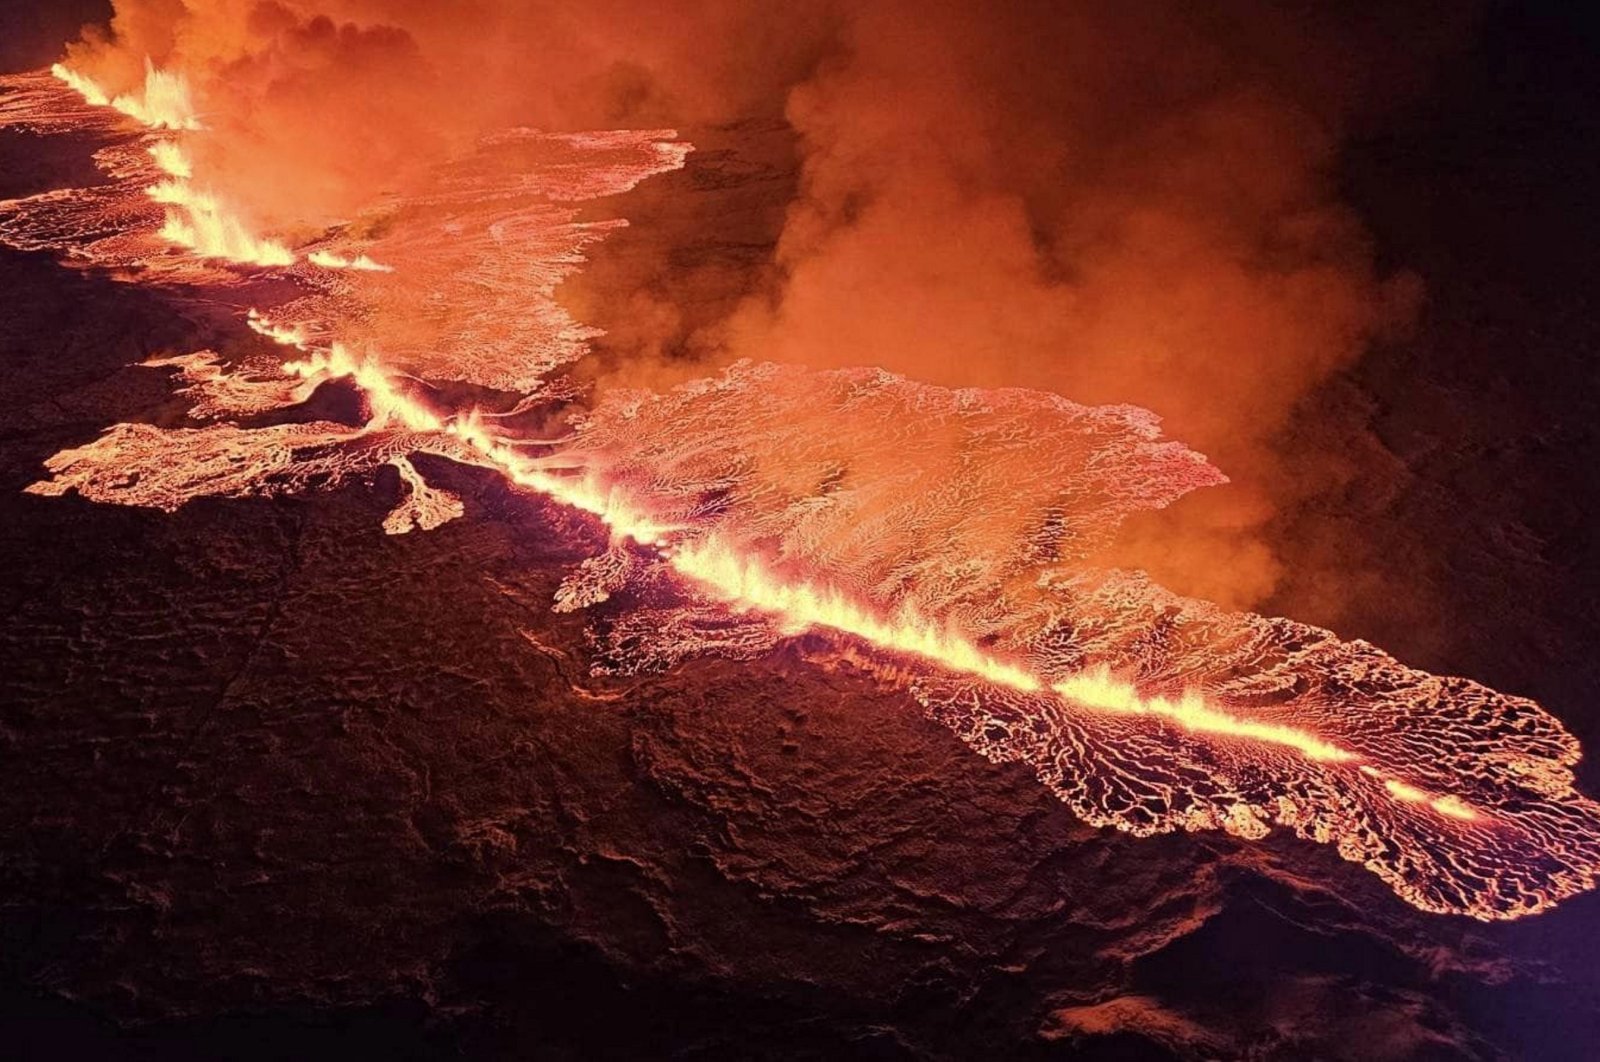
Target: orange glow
pixel 946 534
pixel 799 606
pixel 200 223
pixel 163 104
pixel 1098 689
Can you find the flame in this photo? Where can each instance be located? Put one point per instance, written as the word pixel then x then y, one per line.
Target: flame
pixel 200 223
pixel 164 103
pixel 195 220
pixel 92 93
pixel 171 159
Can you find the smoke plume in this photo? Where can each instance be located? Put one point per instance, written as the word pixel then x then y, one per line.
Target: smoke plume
pixel 1118 202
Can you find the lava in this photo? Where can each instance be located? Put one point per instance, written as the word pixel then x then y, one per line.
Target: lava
pixel 200 223
pixel 1100 690
pixel 195 220
pixel 164 102
pixel 951 530
pixel 800 606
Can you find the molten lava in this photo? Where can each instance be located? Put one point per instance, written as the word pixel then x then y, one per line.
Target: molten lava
pixel 1099 690
pixel 162 104
pixel 947 531
pixel 200 223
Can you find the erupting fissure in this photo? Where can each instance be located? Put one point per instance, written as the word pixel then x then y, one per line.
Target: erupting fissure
pixel 201 224
pixel 948 530
pixel 743 582
pixel 163 104
pixel 196 220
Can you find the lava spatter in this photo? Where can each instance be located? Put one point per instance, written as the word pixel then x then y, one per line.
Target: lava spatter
pixel 163 101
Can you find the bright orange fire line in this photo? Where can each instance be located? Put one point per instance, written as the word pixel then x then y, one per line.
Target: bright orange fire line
pixel 195 219
pixel 744 581
pixel 801 605
pixel 1098 689
pixel 164 103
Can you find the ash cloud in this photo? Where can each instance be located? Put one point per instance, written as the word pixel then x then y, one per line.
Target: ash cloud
pixel 1118 202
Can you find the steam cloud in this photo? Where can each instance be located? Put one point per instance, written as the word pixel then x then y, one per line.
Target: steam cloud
pixel 1120 203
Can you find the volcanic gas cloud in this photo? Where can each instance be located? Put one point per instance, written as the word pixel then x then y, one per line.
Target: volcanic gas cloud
pixel 306 168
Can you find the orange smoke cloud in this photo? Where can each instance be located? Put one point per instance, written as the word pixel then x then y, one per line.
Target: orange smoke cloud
pixel 1120 203
pixel 315 109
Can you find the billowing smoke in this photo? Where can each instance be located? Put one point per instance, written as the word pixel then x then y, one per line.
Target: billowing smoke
pixel 316 109
pixel 1118 202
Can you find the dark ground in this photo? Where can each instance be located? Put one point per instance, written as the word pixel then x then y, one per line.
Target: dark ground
pixel 279 785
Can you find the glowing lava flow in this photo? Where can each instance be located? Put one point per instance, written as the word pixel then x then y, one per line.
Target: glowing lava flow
pixel 195 220
pixel 799 605
pixel 949 531
pixel 389 403
pixel 1099 689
